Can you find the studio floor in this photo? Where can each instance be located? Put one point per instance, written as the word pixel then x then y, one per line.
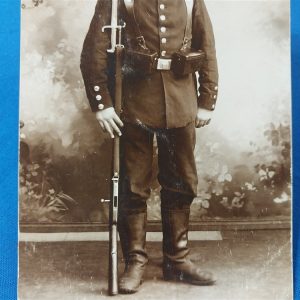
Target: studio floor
pixel 249 265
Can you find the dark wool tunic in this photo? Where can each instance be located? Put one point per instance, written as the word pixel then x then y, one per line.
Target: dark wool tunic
pixel 158 100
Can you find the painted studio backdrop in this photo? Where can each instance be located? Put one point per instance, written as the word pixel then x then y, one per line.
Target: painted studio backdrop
pixel 243 156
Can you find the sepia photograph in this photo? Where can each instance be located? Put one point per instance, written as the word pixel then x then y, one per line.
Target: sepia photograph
pixel 155 150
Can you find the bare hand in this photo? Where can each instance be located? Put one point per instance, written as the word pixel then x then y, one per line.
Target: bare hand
pixel 203 117
pixel 109 121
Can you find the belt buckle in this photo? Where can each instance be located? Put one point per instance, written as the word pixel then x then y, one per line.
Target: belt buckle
pixel 163 64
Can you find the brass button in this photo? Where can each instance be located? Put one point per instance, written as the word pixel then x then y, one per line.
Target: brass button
pixel 163 29
pixel 162 17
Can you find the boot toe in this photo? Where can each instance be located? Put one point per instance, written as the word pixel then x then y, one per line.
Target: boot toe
pixel 188 272
pixel 129 286
pixel 204 278
pixel 131 280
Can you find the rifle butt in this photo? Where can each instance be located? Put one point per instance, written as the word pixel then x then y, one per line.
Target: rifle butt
pixel 113 261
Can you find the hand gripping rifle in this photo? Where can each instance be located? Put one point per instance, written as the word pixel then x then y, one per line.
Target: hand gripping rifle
pixel 117 49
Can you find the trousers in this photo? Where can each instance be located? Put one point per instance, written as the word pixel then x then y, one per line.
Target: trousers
pixel 177 172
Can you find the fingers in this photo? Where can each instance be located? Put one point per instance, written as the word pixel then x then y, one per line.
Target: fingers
pixel 108 129
pixel 110 125
pixel 118 120
pixel 115 127
pixel 201 123
pixel 102 126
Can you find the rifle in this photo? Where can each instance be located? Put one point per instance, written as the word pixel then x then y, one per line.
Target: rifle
pixel 117 50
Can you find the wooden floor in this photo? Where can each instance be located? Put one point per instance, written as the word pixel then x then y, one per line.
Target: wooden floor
pixel 249 265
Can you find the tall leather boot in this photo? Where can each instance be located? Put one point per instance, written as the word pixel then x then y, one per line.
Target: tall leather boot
pixel 176 265
pixel 132 230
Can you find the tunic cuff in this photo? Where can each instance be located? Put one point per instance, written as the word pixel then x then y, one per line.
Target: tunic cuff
pixel 99 97
pixel 207 100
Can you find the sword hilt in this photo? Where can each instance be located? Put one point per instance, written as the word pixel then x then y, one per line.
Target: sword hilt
pixel 114 40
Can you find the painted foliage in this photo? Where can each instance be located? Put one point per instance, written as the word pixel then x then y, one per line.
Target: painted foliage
pixel 243 156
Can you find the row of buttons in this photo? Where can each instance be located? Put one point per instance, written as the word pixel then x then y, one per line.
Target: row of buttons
pixel 215 88
pixel 98 97
pixel 215 97
pixel 163 29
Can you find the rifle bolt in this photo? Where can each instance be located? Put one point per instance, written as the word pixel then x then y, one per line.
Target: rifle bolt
pixel 104 200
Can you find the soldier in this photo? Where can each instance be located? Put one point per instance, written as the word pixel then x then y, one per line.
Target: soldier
pixel 155 103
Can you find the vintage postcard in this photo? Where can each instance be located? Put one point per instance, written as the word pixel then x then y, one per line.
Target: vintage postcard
pixel 155 150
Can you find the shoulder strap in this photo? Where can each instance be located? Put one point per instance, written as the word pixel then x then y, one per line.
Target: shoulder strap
pixel 129 4
pixel 189 21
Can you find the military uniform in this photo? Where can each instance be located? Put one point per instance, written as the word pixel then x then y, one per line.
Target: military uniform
pixel 157 104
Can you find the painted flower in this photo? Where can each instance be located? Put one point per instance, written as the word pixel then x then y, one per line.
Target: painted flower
pixel 284 197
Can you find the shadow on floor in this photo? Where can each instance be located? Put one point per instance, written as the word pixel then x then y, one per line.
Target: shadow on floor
pixel 252 265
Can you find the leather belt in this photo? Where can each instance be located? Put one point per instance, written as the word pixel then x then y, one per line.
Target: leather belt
pixel 163 64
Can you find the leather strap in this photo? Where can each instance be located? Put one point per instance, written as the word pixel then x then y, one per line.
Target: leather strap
pixel 129 4
pixel 189 22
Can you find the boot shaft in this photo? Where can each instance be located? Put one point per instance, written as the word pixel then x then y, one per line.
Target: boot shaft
pixel 175 224
pixel 132 231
